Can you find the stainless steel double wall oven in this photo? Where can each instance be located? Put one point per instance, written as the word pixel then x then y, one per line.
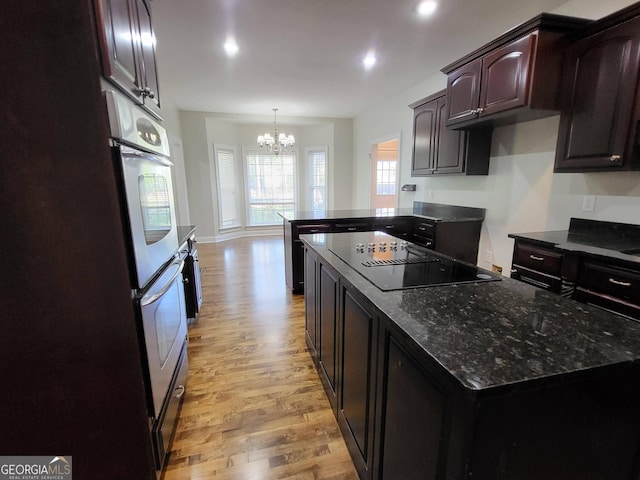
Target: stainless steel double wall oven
pixel 141 155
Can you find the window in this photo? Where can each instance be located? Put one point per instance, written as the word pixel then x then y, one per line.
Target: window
pixel 226 180
pixel 317 164
pixel 385 212
pixel 270 187
pixel 386 177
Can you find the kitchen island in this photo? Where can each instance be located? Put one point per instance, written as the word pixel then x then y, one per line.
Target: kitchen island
pixel 451 229
pixel 491 380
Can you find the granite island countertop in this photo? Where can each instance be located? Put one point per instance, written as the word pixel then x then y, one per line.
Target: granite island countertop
pixel 431 211
pixel 496 334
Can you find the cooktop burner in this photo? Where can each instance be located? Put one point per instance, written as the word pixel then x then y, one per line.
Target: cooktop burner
pixel 393 264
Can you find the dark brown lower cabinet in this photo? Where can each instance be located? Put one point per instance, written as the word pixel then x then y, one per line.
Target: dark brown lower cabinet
pixel 328 329
pixel 587 430
pixel 412 417
pixel 359 330
pixel 403 416
pixel 310 320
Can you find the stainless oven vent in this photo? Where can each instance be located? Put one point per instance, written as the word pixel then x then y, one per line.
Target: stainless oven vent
pixel 399 261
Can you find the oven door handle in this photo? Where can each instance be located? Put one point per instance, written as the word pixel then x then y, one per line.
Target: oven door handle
pixel 149 299
pixel 139 155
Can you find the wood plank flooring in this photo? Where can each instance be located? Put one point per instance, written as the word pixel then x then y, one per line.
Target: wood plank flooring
pixel 254 408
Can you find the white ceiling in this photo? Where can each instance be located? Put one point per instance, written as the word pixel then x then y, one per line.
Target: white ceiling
pixel 304 56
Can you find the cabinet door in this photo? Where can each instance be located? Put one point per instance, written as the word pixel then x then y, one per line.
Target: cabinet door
pixel 148 55
pixel 424 138
pixel 505 76
pixel 463 92
pixel 120 57
pixel 357 381
pixel 310 301
pixel 450 147
pixel 597 109
pixel 327 323
pixel 412 419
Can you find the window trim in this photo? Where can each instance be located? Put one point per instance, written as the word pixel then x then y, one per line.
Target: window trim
pixel 215 185
pixel 308 187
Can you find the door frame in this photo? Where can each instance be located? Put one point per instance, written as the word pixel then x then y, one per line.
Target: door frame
pixel 374 142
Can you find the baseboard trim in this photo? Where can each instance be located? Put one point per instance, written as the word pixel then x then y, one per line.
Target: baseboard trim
pixel 240 234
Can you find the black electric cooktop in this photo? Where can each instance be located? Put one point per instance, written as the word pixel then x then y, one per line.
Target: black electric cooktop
pixel 393 264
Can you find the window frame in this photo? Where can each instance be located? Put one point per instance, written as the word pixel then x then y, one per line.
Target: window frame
pixel 246 153
pixel 309 183
pixel 239 221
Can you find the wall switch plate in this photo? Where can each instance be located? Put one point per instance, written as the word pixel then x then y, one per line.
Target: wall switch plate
pixel 588 203
pixel 488 256
pixel 431 194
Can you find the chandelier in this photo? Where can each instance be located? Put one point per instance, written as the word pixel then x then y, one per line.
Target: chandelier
pixel 279 142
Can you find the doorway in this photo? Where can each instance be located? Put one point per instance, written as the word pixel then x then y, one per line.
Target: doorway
pixel 384 176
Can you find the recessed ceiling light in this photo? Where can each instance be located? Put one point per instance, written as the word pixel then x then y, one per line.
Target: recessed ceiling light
pixel 426 8
pixel 369 60
pixel 230 46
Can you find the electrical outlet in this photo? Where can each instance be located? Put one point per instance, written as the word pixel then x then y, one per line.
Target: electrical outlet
pixel 588 203
pixel 488 256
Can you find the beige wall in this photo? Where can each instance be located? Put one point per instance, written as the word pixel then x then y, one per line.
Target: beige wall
pixel 521 192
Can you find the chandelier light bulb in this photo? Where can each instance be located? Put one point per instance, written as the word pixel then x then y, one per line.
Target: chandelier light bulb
pixel 283 143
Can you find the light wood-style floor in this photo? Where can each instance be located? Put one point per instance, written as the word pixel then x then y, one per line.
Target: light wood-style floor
pixel 254 408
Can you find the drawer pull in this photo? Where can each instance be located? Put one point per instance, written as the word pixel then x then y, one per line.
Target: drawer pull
pixel 538 259
pixel 618 282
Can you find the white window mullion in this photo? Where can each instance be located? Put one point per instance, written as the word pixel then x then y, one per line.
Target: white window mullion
pixel 270 187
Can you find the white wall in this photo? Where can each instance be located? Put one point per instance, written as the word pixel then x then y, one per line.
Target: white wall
pixel 202 130
pixel 521 192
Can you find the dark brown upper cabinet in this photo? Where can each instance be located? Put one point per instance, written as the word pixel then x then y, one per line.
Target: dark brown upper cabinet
pixel 599 109
pixel 127 44
pixel 438 150
pixel 515 78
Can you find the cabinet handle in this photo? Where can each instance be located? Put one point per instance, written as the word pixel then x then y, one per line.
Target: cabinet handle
pixel 614 158
pixel 179 391
pixel 538 259
pixel 618 282
pixel 479 111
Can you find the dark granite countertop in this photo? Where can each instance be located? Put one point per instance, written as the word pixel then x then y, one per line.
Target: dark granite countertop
pixel 592 238
pixel 432 211
pixel 497 334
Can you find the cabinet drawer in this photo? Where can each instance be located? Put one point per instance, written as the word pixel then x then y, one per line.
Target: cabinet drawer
pixel 609 280
pixel 390 225
pixel 313 228
pixel 533 277
pixel 537 258
pixel 611 304
pixel 425 229
pixel 362 226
